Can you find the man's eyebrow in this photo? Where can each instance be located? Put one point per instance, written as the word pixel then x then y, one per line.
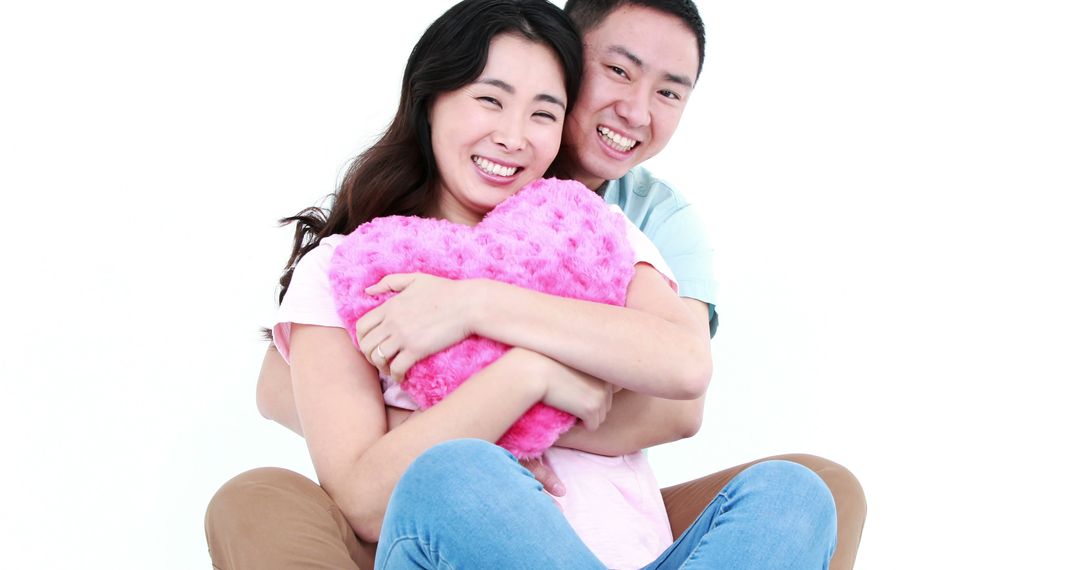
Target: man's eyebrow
pixel 672 77
pixel 627 54
pixel 680 79
pixel 499 83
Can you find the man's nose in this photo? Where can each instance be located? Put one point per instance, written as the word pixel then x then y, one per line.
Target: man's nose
pixel 633 107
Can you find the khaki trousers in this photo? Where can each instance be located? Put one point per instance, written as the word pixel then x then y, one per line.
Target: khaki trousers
pixel 273 518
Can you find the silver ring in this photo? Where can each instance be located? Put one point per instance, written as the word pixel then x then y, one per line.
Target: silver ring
pixel 378 352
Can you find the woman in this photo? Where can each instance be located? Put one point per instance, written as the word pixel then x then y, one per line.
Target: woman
pixel 482 87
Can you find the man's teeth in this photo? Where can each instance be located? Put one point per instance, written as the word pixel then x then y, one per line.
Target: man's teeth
pixel 492 168
pixel 616 140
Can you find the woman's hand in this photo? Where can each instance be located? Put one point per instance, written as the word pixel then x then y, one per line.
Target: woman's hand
pixel 578 394
pixel 427 315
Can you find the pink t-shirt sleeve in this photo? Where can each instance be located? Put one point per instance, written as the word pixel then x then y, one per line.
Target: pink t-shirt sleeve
pixel 309 300
pixel 645 251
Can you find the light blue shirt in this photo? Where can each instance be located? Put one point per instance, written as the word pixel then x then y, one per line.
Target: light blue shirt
pixel 676 229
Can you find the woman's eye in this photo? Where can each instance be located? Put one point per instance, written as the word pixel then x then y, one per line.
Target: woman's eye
pixel 545 115
pixel 617 70
pixel 490 100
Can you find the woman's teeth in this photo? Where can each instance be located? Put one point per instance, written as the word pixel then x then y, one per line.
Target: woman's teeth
pixel 492 168
pixel 615 140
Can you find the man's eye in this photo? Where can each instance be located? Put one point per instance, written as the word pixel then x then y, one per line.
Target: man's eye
pixel 617 70
pixel 670 95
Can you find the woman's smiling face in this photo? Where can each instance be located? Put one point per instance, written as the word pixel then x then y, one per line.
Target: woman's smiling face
pixel 500 132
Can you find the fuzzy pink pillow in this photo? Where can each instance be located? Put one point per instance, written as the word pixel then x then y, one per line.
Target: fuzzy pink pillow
pixel 554 236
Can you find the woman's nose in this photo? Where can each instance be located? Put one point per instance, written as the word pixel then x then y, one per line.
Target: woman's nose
pixel 510 135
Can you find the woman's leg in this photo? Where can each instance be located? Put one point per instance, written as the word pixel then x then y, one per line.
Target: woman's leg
pixel 774 514
pixel 469 504
pixel 274 518
pixel 685 502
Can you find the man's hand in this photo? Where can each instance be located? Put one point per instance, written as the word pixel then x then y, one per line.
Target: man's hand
pixel 544 474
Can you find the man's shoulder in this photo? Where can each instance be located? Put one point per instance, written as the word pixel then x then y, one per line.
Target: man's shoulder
pixel 646 199
pixel 639 185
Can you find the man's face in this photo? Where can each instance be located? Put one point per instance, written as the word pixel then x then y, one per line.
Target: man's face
pixel 640 68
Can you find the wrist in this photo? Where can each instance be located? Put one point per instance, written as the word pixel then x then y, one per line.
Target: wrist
pixel 479 301
pixel 532 371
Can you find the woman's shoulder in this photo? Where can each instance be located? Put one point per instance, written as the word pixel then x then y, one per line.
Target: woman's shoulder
pixel 318 259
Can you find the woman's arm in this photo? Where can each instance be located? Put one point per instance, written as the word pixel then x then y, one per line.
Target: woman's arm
pixel 342 415
pixel 655 345
pixel 274 395
pixel 636 421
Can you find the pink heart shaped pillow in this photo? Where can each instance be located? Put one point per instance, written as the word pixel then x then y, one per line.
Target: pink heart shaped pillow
pixel 553 236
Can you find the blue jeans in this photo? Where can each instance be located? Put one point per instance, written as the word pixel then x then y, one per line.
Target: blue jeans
pixel 468 504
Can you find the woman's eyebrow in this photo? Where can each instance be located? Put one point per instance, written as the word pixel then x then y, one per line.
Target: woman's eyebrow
pixel 499 83
pixel 550 99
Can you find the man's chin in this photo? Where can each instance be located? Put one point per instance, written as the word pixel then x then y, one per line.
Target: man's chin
pixel 611 170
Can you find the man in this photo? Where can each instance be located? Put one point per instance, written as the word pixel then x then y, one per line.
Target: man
pixel 642 61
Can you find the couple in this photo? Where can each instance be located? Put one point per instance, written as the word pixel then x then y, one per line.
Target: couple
pixel 489 93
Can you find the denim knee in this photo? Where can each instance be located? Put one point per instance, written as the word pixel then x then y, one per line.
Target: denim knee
pixel 458 452
pixel 452 469
pixel 802 505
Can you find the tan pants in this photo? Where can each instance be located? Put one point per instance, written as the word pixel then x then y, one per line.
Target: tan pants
pixel 274 518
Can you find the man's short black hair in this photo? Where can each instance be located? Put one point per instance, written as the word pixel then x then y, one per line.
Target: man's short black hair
pixel 588 14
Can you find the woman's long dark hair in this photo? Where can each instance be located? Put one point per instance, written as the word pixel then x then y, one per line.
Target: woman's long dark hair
pixel 397 175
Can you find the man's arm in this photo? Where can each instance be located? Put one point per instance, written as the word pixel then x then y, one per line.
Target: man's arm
pixel 636 421
pixel 274 391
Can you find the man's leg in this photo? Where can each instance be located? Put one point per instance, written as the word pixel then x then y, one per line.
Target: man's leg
pixel 686 501
pixel 469 504
pixel 274 518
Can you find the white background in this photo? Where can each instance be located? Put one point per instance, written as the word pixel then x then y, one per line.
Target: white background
pixel 892 194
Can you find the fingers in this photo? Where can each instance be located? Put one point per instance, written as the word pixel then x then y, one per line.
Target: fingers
pixel 387 352
pixel 546 476
pixel 380 351
pixel 380 359
pixel 367 323
pixel 392 283
pixel 368 341
pixel 387 355
pixel 599 403
pixel 593 418
pixel 400 364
